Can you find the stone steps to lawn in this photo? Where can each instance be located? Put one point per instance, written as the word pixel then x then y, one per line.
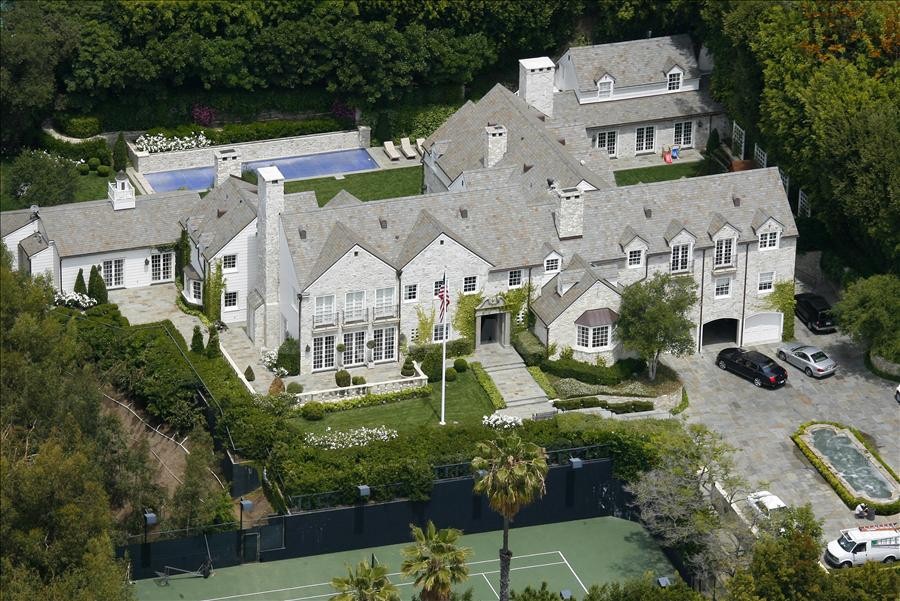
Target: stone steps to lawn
pixel 523 397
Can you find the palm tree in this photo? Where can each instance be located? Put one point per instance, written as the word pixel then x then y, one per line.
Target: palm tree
pixel 367 583
pixel 435 561
pixel 513 474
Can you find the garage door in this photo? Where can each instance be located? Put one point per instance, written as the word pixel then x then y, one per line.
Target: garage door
pixel 762 328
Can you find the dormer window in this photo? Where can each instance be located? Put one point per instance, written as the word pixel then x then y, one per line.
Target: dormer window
pixel 635 258
pixel 768 240
pixel 724 255
pixel 551 264
pixel 674 81
pixel 604 89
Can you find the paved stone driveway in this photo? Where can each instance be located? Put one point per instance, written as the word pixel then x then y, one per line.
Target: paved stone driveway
pixel 759 422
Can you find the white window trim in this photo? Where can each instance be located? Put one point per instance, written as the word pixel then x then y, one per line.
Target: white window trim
pixel 445 331
pixel 716 286
pixel 324 367
pixel 595 141
pixel 590 338
pixel 690 253
pixel 603 80
pixel 237 299
pixel 644 149
pixel 434 289
pixel 558 264
pixel 415 296
pixel 229 269
pixel 685 126
pixel 474 289
pixel 669 80
pixel 110 284
pixel 640 262
pixel 509 279
pixel 317 314
pixel 767 291
pixel 773 246
pixel 392 348
pixel 198 284
pixel 731 262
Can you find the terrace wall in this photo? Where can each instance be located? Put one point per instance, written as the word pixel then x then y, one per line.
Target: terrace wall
pixel 146 162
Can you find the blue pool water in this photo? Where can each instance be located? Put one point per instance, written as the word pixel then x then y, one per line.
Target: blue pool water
pixel 311 165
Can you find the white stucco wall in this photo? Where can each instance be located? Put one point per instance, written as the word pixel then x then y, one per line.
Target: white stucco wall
pixel 137 273
pixel 240 279
pixel 288 290
pixel 12 239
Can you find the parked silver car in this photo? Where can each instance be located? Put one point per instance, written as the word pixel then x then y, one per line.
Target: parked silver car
pixel 811 359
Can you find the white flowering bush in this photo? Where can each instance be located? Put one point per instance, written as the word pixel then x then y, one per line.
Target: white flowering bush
pixel 75 300
pixel 163 143
pixel 501 422
pixel 357 437
pixel 270 360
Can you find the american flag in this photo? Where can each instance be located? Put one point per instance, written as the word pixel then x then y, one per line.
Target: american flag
pixel 444 297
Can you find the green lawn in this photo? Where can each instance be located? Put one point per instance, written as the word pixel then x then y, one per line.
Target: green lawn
pixel 87 187
pixel 661 173
pixel 374 185
pixel 467 403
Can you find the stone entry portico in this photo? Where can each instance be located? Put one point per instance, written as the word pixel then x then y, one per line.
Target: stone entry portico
pixel 492 322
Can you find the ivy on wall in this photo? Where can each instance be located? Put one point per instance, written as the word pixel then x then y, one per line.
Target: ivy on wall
pixel 213 287
pixel 426 325
pixel 516 300
pixel 464 317
pixel 782 299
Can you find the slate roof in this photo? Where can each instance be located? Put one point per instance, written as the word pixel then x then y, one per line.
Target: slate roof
pixel 566 108
pixel 11 221
pixel 634 62
pixel 221 215
pixel 550 305
pixel 597 317
pixel 84 228
pixel 529 142
pixel 34 244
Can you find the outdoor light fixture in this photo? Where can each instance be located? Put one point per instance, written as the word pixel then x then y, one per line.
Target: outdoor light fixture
pixel 576 463
pixel 565 594
pixel 364 491
pixel 146 262
pixel 150 519
pixel 664 582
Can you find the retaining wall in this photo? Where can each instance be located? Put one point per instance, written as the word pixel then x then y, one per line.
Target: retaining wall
pixel 146 162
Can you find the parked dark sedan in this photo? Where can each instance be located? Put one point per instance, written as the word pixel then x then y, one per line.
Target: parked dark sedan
pixel 754 366
pixel 815 312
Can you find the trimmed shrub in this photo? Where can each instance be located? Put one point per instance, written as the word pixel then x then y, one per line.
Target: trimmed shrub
pixel 460 365
pixel 592 401
pixel 455 348
pixel 119 154
pixel 683 404
pixel 432 364
pixel 97 287
pixel 93 163
pixel 593 374
pixel 566 353
pixel 408 368
pixel 543 381
pixel 83 168
pixel 249 375
pixel 277 386
pixel 487 384
pixel 358 380
pixel 712 142
pixel 450 374
pixel 103 171
pixel 81 126
pixel 81 151
pixel 312 411
pixel 384 398
pixel 212 345
pixel 295 387
pixel 342 378
pixel 289 356
pixel 529 348
pixel 80 286
pixel 197 340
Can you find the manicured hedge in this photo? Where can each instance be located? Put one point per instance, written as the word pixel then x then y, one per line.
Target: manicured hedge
pixel 455 348
pixel 234 133
pixel 543 381
pixel 76 126
pixel 289 356
pixel 849 499
pixel 384 398
pixel 484 379
pixel 683 404
pixel 83 151
pixel 529 348
pixel 593 374
pixel 592 401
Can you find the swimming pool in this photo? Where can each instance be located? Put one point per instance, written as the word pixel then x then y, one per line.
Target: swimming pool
pixel 300 167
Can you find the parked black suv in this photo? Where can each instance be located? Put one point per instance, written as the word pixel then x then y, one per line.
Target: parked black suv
pixel 762 370
pixel 815 312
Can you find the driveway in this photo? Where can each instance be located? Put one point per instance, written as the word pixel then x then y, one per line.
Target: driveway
pixel 759 422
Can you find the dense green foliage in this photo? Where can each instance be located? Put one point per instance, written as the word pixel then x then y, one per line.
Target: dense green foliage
pixel 36 178
pixel 781 299
pixel 80 287
pixel 529 348
pixel 289 356
pixel 870 313
pixel 78 127
pixel 594 374
pixel 487 383
pixel 97 287
pixel 592 401
pixel 234 133
pixel 459 347
pixel 342 378
pixel 312 411
pixel 213 349
pixel 197 340
pixel 119 154
pixel 82 151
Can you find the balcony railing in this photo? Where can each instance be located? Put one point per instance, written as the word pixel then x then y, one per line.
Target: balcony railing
pixel 682 270
pixel 725 267
pixel 385 311
pixel 355 314
pixel 324 320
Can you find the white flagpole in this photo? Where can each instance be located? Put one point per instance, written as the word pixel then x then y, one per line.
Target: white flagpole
pixel 444 353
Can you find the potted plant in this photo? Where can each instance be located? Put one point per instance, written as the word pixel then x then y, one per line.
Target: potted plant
pixel 340 348
pixel 370 345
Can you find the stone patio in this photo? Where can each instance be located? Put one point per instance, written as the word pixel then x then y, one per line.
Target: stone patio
pixel 688 155
pixel 324 380
pixel 155 303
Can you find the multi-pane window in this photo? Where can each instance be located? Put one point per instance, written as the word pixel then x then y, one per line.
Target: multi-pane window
pixel 323 352
pixel 635 258
pixel 680 257
pixel 515 278
pixel 410 292
pixel 724 252
pixel 551 264
pixel 384 302
pixel 355 305
pixel 674 82
pixel 766 281
pixel 414 335
pixel 231 299
pixel 196 290
pixel 684 133
pixel 643 139
pixel 324 313
pixel 723 287
pixel 768 240
pixel 441 330
pixel 592 337
pixel 161 267
pixel 384 344
pixel 604 89
pixel 607 140
pixel 470 284
pixel 229 262
pixel 438 284
pixel 114 273
pixel 354 348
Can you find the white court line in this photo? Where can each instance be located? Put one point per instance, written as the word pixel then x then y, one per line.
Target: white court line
pixel 573 571
pixel 333 593
pixel 490 585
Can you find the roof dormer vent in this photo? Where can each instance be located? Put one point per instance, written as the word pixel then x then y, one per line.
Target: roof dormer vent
pixel 526 168
pixel 463 213
pixel 736 200
pixel 382 222
pixel 648 212
pixel 220 213
pixel 302 234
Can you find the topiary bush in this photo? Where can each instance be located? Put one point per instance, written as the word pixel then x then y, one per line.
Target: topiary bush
pixel 358 380
pixel 82 126
pixel 83 168
pixel 460 365
pixel 97 287
pixel 432 364
pixel 80 286
pixel 450 374
pixel 712 142
pixel 119 154
pixel 249 375
pixel 197 340
pixel 295 387
pixel 289 356
pixel 277 387
pixel 342 378
pixel 103 171
pixel 212 345
pixel 313 411
pixel 408 368
pixel 93 163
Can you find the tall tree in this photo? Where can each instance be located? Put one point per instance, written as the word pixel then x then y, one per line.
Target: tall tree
pixel 870 313
pixel 435 561
pixel 513 476
pixel 365 583
pixel 97 287
pixel 653 317
pixel 80 287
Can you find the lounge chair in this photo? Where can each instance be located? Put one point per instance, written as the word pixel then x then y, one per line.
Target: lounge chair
pixel 391 151
pixel 407 149
pixel 420 145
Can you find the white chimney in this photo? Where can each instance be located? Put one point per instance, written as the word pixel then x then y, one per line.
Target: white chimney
pixel 568 278
pixel 267 319
pixel 494 144
pixel 569 213
pixel 536 77
pixel 228 163
pixel 120 192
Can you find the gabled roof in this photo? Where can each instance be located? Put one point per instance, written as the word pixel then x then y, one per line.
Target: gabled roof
pixel 688 104
pixel 674 228
pixel 760 218
pixel 634 62
pixel 221 215
pixel 339 242
pixel 344 199
pixel 628 234
pixel 550 305
pixel 11 221
pixel 717 222
pixel 34 244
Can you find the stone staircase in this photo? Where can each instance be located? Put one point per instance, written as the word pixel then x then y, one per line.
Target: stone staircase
pixel 524 398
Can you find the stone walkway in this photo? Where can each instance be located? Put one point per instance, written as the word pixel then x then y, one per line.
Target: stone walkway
pixel 155 303
pixel 240 352
pixel 524 398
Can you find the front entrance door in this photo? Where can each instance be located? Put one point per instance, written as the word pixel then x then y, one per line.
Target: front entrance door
pixel 490 328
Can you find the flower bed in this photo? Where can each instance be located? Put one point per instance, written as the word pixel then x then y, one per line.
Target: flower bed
pixel 160 142
pixel 357 437
pixel 501 422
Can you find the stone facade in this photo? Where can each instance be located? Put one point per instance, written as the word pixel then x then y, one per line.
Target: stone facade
pixel 495 138
pixel 536 83
pixel 267 323
pixel 570 216
pixel 563 331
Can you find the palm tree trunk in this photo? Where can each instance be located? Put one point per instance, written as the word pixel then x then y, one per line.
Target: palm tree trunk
pixel 505 558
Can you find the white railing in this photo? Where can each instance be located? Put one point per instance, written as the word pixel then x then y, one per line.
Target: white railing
pixel 115 194
pixel 332 395
pixel 321 320
pixel 354 314
pixel 385 311
pixel 688 269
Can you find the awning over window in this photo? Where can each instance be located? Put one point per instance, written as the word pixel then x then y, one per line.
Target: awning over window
pixel 191 273
pixel 597 317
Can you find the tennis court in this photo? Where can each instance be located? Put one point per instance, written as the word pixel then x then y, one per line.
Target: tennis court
pixel 567 555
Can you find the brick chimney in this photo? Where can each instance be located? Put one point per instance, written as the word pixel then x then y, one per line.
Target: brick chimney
pixel 569 213
pixel 267 319
pixel 536 77
pixel 228 163
pixel 495 137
